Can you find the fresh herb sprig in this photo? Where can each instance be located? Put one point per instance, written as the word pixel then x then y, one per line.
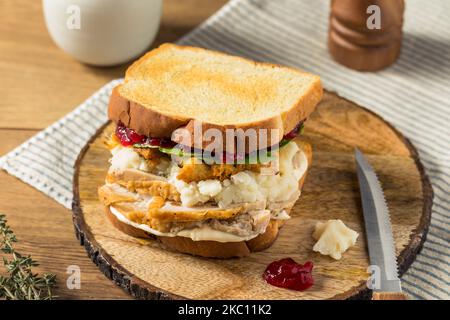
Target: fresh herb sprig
pixel 21 283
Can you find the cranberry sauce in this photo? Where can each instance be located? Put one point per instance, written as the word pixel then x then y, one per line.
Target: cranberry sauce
pixel 294 132
pixel 129 137
pixel 286 273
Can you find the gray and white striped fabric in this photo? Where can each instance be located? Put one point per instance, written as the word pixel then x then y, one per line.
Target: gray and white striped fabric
pixel 413 94
pixel 46 161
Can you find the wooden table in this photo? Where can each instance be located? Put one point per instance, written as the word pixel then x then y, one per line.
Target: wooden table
pixel 39 84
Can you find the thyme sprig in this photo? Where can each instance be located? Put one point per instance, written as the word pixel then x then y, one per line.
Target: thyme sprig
pixel 21 283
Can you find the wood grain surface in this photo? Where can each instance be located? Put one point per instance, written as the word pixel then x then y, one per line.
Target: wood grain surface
pixel 39 84
pixel 146 270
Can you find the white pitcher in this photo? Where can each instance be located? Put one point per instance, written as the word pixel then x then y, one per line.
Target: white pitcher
pixel 103 32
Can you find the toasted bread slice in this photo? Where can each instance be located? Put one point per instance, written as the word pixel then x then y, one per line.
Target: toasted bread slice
pixel 173 85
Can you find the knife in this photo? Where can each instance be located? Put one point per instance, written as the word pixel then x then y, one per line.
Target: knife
pixel 387 285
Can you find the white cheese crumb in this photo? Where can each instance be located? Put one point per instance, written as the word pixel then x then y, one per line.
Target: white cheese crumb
pixel 333 238
pixel 127 158
pixel 282 215
pixel 209 188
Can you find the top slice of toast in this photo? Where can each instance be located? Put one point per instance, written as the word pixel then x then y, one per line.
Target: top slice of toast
pixel 172 85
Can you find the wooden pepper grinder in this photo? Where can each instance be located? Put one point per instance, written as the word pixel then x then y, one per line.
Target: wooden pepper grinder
pixel 366 35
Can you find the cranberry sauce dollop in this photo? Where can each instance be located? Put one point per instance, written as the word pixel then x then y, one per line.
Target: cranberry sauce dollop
pixel 286 273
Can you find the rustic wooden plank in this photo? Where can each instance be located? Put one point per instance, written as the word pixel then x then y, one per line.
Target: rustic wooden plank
pixel 13 137
pixel 40 84
pixel 331 191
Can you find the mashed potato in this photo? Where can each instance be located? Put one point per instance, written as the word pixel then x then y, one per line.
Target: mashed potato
pixel 246 186
pixel 127 158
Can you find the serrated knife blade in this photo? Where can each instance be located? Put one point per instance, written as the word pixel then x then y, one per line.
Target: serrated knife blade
pixel 378 226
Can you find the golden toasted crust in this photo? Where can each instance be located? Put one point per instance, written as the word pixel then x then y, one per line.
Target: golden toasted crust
pixel 143 120
pixel 214 249
pixel 150 122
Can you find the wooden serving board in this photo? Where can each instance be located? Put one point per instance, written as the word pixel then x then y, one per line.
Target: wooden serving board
pixel 146 270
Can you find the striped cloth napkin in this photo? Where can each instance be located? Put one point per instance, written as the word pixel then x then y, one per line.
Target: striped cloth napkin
pixel 413 95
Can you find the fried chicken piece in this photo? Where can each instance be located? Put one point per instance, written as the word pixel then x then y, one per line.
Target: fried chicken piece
pixel 196 170
pixel 224 171
pixel 151 155
pixel 161 189
pixel 111 141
